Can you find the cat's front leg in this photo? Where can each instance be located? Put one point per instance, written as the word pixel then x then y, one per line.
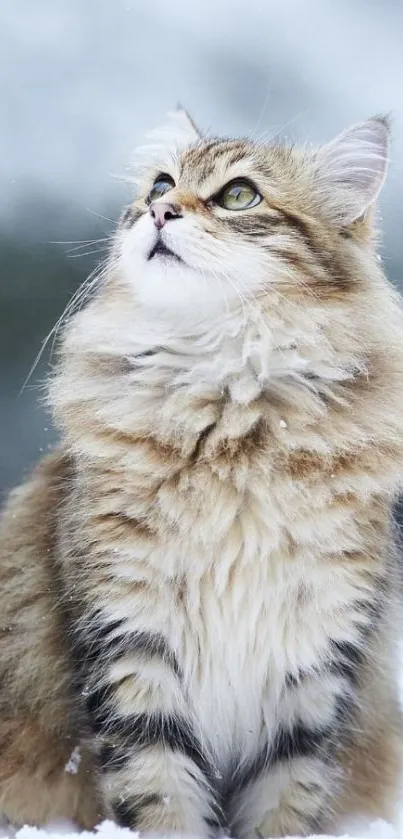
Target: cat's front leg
pixel 288 800
pixel 154 773
pixel 291 786
pixel 156 784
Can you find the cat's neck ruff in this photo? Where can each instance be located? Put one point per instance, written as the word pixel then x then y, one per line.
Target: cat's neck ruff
pixel 237 351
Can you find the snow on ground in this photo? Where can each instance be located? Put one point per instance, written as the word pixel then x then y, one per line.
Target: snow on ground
pixel 108 830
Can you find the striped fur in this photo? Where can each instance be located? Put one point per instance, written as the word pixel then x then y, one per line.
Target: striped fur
pixel 201 588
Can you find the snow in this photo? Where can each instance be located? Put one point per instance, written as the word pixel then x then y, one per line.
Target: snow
pixel 73 762
pixel 108 830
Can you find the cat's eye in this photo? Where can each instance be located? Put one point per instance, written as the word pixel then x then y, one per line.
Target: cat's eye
pixel 161 185
pixel 238 195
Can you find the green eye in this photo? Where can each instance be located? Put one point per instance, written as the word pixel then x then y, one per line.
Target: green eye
pixel 161 185
pixel 238 195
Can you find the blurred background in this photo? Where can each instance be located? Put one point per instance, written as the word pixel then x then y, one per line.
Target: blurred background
pixel 81 81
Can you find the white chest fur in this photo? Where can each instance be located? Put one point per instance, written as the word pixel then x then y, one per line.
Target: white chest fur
pixel 242 615
pixel 239 644
pixel 241 610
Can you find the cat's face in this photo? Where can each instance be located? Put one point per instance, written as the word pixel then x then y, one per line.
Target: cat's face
pixel 203 231
pixel 221 222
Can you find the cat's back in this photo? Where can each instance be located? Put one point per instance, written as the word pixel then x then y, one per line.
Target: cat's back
pixel 31 634
pixel 39 717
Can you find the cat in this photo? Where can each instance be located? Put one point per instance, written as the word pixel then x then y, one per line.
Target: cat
pixel 200 588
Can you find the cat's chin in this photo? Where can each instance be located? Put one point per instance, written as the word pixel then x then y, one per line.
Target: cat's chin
pixel 170 288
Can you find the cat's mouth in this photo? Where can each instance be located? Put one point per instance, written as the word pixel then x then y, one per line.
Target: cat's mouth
pixel 161 250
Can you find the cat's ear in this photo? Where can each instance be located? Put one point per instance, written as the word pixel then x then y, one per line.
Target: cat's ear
pixel 350 171
pixel 177 132
pixel 187 123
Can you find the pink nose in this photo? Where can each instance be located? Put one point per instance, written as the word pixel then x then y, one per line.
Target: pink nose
pixel 162 212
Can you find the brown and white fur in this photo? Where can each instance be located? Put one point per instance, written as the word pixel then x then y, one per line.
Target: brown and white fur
pixel 200 589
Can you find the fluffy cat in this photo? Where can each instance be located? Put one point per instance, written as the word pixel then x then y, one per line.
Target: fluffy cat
pixel 200 590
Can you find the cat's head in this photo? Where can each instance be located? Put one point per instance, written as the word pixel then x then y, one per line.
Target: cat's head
pixel 219 222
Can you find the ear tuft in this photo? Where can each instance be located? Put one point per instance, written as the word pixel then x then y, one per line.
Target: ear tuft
pixel 350 171
pixel 177 132
pixel 187 122
pixel 173 136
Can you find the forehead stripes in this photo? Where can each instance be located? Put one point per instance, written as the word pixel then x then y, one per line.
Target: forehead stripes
pixel 202 161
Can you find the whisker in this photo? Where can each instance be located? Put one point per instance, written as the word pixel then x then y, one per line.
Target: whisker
pixel 262 112
pixel 85 253
pixel 99 215
pixel 82 293
pixel 78 241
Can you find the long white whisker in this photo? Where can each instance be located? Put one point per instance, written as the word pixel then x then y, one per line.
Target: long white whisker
pixel 85 253
pixel 99 215
pixel 262 112
pixel 73 305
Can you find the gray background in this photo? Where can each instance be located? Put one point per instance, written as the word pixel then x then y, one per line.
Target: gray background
pixel 81 81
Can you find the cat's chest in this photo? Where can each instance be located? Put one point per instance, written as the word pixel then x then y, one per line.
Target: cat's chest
pixel 239 647
pixel 234 569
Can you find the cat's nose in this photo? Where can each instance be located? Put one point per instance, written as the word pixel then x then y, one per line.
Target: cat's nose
pixel 161 212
